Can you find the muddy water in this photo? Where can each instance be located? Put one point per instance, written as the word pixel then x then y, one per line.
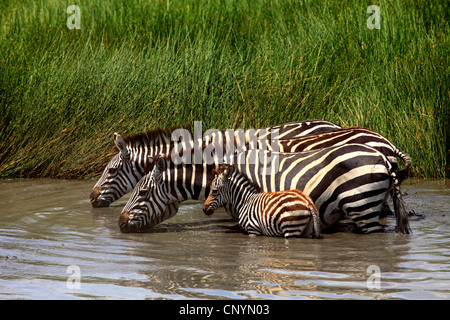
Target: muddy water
pixel 53 245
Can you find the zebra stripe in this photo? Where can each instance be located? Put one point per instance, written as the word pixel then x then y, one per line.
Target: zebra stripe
pixel 153 196
pixel 288 213
pixel 338 137
pixel 343 136
pixel 353 180
pixel 126 168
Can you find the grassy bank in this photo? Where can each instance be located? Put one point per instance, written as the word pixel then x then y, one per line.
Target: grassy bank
pixel 138 65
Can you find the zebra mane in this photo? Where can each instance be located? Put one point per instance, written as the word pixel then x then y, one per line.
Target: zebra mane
pixel 250 182
pixel 219 169
pixel 149 167
pixel 154 134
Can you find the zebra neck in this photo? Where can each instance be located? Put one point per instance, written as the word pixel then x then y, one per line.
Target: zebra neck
pixel 142 149
pixel 146 146
pixel 189 181
pixel 242 191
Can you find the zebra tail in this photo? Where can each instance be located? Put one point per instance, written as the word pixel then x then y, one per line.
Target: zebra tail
pixel 402 174
pixel 402 222
pixel 316 223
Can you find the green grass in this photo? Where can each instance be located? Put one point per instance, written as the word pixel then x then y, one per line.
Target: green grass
pixel 138 65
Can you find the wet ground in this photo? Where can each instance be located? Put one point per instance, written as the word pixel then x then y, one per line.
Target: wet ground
pixel 54 245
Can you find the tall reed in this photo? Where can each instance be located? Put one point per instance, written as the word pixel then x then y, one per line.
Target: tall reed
pixel 138 65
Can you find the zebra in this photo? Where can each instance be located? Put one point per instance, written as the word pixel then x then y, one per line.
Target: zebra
pixel 288 213
pixel 153 195
pixel 126 168
pixel 342 136
pixel 351 179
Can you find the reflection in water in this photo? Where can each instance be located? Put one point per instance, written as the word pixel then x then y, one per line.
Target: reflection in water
pixel 49 225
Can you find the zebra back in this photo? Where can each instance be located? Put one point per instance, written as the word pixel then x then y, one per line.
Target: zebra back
pixel 126 168
pixel 343 136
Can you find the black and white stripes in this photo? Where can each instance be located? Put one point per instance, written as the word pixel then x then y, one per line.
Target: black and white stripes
pixel 126 168
pixel 345 171
pixel 152 196
pixel 353 180
pixel 288 213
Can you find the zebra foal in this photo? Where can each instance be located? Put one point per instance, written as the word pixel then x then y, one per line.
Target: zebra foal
pixel 288 213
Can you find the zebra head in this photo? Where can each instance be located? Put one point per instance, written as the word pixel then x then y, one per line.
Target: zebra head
pixel 118 178
pixel 149 200
pixel 220 193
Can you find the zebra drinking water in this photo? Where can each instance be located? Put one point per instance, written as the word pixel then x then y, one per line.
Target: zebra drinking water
pixel 288 213
pixel 351 179
pixel 153 196
pixel 126 168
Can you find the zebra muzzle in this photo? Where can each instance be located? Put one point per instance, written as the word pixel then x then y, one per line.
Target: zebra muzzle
pixel 126 224
pixel 208 210
pixel 96 201
pixel 133 222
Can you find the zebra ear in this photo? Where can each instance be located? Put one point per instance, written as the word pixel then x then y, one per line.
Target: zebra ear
pixel 149 165
pixel 120 144
pixel 219 170
pixel 161 164
pixel 228 170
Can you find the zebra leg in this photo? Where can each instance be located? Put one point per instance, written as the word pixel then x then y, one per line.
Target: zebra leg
pixel 316 223
pixel 293 225
pixel 296 230
pixel 252 229
pixel 253 232
pixel 386 211
pixel 231 210
pixel 300 223
pixel 367 221
pixel 247 226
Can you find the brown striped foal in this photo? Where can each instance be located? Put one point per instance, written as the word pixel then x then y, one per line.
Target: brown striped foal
pixel 288 213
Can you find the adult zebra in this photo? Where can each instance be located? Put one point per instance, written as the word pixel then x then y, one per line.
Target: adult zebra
pixel 156 191
pixel 351 179
pixel 288 213
pixel 342 136
pixel 126 168
pixel 339 137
